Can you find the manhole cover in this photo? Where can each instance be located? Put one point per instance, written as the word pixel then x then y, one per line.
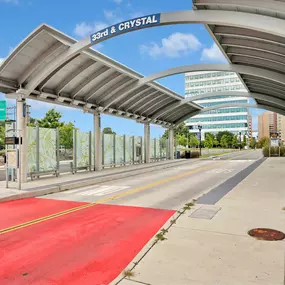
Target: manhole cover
pixel 266 234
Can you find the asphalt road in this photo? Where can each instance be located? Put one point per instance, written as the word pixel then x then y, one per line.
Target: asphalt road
pixel 96 231
pixel 165 189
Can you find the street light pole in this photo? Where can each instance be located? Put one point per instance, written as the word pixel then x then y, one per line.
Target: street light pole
pixel 200 129
pixel 240 141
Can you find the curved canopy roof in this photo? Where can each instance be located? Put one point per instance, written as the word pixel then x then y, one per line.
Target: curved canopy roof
pixel 90 80
pixel 249 47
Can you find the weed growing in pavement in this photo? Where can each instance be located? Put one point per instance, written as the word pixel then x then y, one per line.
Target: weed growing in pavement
pixel 172 222
pixel 128 273
pixel 160 236
pixel 164 231
pixel 25 274
pixel 283 208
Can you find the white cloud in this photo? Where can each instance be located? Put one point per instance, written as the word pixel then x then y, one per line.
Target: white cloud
pixel 84 29
pixel 118 2
pixel 10 1
pixel 176 45
pixel 112 17
pixel 212 54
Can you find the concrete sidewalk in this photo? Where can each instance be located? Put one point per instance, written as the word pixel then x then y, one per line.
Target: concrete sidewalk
pixel 201 250
pixel 51 184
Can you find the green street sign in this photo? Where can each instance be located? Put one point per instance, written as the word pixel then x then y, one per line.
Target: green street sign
pixel 2 110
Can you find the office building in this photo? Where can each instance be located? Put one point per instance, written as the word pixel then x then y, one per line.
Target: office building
pixel 231 119
pixel 267 124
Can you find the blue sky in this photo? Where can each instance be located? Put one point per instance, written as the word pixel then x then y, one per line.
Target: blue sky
pixel 146 51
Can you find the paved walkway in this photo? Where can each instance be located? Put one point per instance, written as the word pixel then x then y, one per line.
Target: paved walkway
pixel 200 250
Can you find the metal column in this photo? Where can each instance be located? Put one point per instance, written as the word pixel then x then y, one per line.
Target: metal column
pixel 22 128
pixel 171 143
pixel 147 142
pixel 97 142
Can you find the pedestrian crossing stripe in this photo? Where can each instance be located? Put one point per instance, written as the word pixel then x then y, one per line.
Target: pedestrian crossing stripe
pixel 97 190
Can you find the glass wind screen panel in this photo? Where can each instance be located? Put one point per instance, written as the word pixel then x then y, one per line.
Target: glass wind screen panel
pixel 137 147
pixel 119 149
pixel 108 149
pixel 152 148
pixel 47 151
pixel 31 149
pixel 157 148
pixel 129 149
pixel 82 149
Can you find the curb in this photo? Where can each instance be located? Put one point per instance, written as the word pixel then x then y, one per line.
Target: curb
pixel 45 190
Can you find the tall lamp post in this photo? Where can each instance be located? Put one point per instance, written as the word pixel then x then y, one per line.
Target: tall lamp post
pixel 239 140
pixel 200 129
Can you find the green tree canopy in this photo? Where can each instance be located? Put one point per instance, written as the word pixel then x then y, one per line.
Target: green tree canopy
pixel 181 129
pixel 194 142
pixel 66 135
pixel 209 140
pixel 224 141
pixel 51 120
pixel 108 130
pixel 182 140
pixel 252 143
pixel 221 134
pixel 262 142
pixel 235 142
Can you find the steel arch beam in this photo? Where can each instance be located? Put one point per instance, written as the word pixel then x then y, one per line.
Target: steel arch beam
pixel 259 96
pixel 227 18
pixel 220 106
pixel 237 68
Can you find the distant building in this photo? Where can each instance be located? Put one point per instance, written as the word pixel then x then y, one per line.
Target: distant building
pixel 250 126
pixel 281 126
pixel 267 124
pixel 233 119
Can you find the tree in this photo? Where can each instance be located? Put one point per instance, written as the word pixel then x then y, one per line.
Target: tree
pixel 262 142
pixel 252 143
pixel 181 129
pixel 108 130
pixel 235 142
pixel 193 141
pixel 209 140
pixel 216 142
pixel 182 140
pixel 66 135
pixel 225 141
pixel 51 120
pixel 227 133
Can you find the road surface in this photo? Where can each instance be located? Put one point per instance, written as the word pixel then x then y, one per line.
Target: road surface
pixel 89 235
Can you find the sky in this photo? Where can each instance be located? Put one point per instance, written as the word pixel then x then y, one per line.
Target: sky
pixel 146 51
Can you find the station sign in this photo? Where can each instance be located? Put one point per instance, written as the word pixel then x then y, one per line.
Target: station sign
pixel 11 140
pixel 126 26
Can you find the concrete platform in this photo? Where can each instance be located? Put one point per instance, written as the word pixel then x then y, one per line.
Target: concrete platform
pixel 218 250
pixel 51 184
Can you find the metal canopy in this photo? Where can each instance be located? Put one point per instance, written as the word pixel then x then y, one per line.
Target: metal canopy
pixel 89 80
pixel 250 47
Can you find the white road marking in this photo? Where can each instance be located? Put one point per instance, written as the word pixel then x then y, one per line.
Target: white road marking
pixel 97 190
pixel 220 170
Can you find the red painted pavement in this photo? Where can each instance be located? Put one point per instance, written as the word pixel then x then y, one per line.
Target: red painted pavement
pixel 17 212
pixel 91 246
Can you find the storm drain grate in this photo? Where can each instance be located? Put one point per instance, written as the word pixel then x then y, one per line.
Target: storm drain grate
pixel 266 234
